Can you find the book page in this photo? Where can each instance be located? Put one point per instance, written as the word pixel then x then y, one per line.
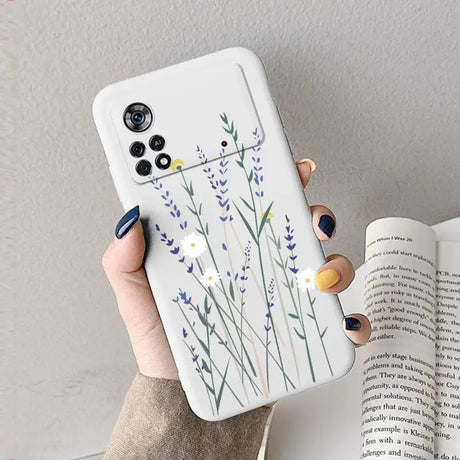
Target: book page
pixel 447 442
pixel 398 403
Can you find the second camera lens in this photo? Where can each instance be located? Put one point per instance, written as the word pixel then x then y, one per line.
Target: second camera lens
pixel 137 149
pixel 143 168
pixel 157 142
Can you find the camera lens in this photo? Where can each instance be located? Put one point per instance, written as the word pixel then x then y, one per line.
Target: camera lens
pixel 137 149
pixel 143 168
pixel 163 161
pixel 157 143
pixel 137 117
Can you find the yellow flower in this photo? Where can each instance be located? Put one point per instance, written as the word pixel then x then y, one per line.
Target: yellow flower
pixel 270 216
pixel 177 164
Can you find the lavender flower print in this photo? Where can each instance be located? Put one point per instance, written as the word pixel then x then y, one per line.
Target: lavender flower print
pixel 231 317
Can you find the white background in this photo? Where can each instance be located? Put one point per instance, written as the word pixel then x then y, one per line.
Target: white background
pixel 366 88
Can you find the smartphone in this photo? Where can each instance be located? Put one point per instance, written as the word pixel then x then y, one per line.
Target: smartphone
pixel 231 252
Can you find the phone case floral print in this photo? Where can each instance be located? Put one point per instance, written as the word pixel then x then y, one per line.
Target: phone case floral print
pixel 250 322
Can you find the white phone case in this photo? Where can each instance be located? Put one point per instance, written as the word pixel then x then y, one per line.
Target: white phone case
pixel 231 250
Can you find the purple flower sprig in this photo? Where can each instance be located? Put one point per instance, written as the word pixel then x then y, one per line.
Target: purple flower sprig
pixel 219 185
pixel 245 267
pixel 271 297
pixel 169 202
pixel 169 242
pixel 289 237
pixel 257 165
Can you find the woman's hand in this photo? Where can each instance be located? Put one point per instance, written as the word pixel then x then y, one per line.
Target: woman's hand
pixel 123 265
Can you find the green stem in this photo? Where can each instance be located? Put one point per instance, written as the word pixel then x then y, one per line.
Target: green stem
pixel 319 333
pixel 298 311
pixel 203 231
pixel 262 267
pixel 210 359
pixel 204 380
pixel 224 345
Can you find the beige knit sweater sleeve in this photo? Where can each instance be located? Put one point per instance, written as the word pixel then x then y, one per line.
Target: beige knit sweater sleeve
pixel 157 423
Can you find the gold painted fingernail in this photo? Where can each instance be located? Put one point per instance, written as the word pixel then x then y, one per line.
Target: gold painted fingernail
pixel 325 279
pixel 309 161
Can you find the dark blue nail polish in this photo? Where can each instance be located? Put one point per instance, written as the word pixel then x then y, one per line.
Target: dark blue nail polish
pixel 127 222
pixel 326 224
pixel 352 324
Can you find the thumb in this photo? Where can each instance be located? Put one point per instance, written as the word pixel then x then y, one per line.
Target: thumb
pixel 122 263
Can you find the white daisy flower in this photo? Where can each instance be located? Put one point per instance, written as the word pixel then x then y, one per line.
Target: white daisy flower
pixel 210 277
pixel 306 279
pixel 193 245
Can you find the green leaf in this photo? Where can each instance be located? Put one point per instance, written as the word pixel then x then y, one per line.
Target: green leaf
pixel 247 204
pixel 322 333
pixel 293 316
pixel 292 283
pixel 191 189
pixel 205 366
pixel 210 388
pixel 212 329
pixel 239 163
pixel 227 130
pixel 232 292
pixel 235 135
pixel 299 334
pixel 242 152
pixel 264 218
pixel 251 175
pixel 312 301
pixel 191 210
pixel 282 267
pixel 249 361
pixel 203 345
pixel 311 316
pixel 199 230
pixel 251 232
pixel 199 209
pixel 232 127
pixel 207 229
pixel 207 308
pixel 224 118
pixel 221 389
pixel 202 318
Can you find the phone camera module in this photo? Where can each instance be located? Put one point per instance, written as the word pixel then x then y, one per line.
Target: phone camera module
pixel 163 161
pixel 137 149
pixel 137 117
pixel 157 143
pixel 143 168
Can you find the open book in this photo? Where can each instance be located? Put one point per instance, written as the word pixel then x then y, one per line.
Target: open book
pixel 411 367
pixel 352 416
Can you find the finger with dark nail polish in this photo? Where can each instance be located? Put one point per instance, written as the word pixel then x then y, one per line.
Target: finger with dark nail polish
pixel 326 224
pixel 352 324
pixel 126 222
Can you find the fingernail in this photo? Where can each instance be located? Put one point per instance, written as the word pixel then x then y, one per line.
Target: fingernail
pixel 309 161
pixel 352 324
pixel 326 224
pixel 325 279
pixel 126 222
